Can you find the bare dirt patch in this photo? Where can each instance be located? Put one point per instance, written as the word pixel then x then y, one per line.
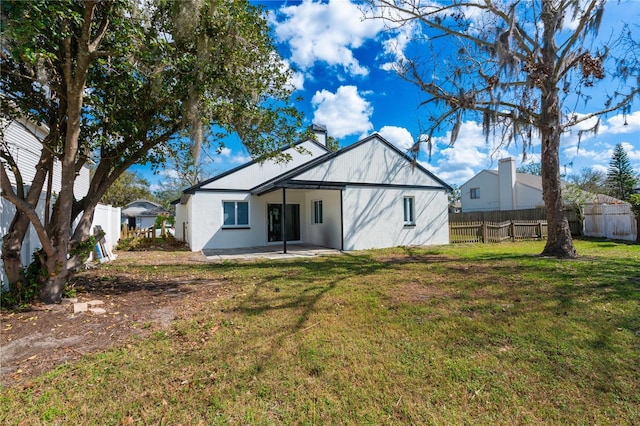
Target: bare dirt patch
pixel 35 341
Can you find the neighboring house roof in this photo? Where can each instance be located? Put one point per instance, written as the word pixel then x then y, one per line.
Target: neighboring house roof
pixel 606 199
pixel 532 181
pixel 143 208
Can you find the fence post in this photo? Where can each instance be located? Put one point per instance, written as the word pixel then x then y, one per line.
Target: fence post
pixel 484 232
pixel 540 229
pixel 512 229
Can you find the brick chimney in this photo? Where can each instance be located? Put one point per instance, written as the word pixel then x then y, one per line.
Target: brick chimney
pixel 320 130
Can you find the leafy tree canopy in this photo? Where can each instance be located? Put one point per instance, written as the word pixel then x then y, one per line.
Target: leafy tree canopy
pixel 129 186
pixel 120 82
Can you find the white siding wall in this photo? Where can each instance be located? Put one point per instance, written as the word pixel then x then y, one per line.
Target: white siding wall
pixel 371 162
pixel 489 193
pixel 374 218
pixel 329 232
pixel 181 222
pixel 528 197
pixel 207 219
pixel 143 222
pixel 25 148
pixel 257 173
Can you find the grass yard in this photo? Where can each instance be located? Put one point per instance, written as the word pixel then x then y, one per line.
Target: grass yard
pixel 461 334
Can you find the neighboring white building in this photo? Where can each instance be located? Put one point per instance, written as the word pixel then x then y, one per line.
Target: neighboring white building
pixel 501 189
pixel 140 214
pixel 22 139
pixel 367 195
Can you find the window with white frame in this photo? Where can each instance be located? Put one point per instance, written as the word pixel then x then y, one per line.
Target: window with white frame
pixel 409 210
pixel 317 211
pixel 475 193
pixel 235 214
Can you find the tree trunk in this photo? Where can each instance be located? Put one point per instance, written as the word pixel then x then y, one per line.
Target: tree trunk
pixel 14 238
pixel 559 241
pixel 12 250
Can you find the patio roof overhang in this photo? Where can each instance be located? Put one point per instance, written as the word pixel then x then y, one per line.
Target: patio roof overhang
pixel 296 184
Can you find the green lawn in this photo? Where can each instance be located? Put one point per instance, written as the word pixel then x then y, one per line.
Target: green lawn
pixel 461 334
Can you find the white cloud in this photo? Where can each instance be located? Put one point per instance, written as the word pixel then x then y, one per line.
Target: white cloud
pixel 633 152
pixel 399 136
pixel 465 159
pixel 616 124
pixel 296 79
pixel 226 155
pixel 169 173
pixel 470 154
pixel 344 113
pixel 325 32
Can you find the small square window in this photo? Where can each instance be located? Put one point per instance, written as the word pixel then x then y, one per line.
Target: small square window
pixel 475 193
pixel 235 213
pixel 317 211
pixel 409 212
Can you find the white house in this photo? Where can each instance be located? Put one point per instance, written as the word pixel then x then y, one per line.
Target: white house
pixel 367 195
pixel 501 189
pixel 141 214
pixel 22 140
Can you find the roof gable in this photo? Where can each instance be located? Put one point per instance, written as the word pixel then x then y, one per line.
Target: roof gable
pixel 256 172
pixel 480 178
pixel 372 160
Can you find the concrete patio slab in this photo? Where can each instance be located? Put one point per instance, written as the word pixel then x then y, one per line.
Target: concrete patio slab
pixel 268 252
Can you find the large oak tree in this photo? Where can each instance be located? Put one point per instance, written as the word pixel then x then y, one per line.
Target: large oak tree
pixel 521 66
pixel 120 82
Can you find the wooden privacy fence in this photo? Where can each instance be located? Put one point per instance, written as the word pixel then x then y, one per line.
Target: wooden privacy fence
pixel 144 233
pixel 495 232
pixel 517 216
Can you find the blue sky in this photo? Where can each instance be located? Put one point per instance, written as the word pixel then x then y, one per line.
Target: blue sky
pixel 343 73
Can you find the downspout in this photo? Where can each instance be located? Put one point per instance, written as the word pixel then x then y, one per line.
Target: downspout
pixel 284 220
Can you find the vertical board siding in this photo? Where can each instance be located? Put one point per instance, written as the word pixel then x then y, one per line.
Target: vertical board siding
pixel 613 221
pixel 495 232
